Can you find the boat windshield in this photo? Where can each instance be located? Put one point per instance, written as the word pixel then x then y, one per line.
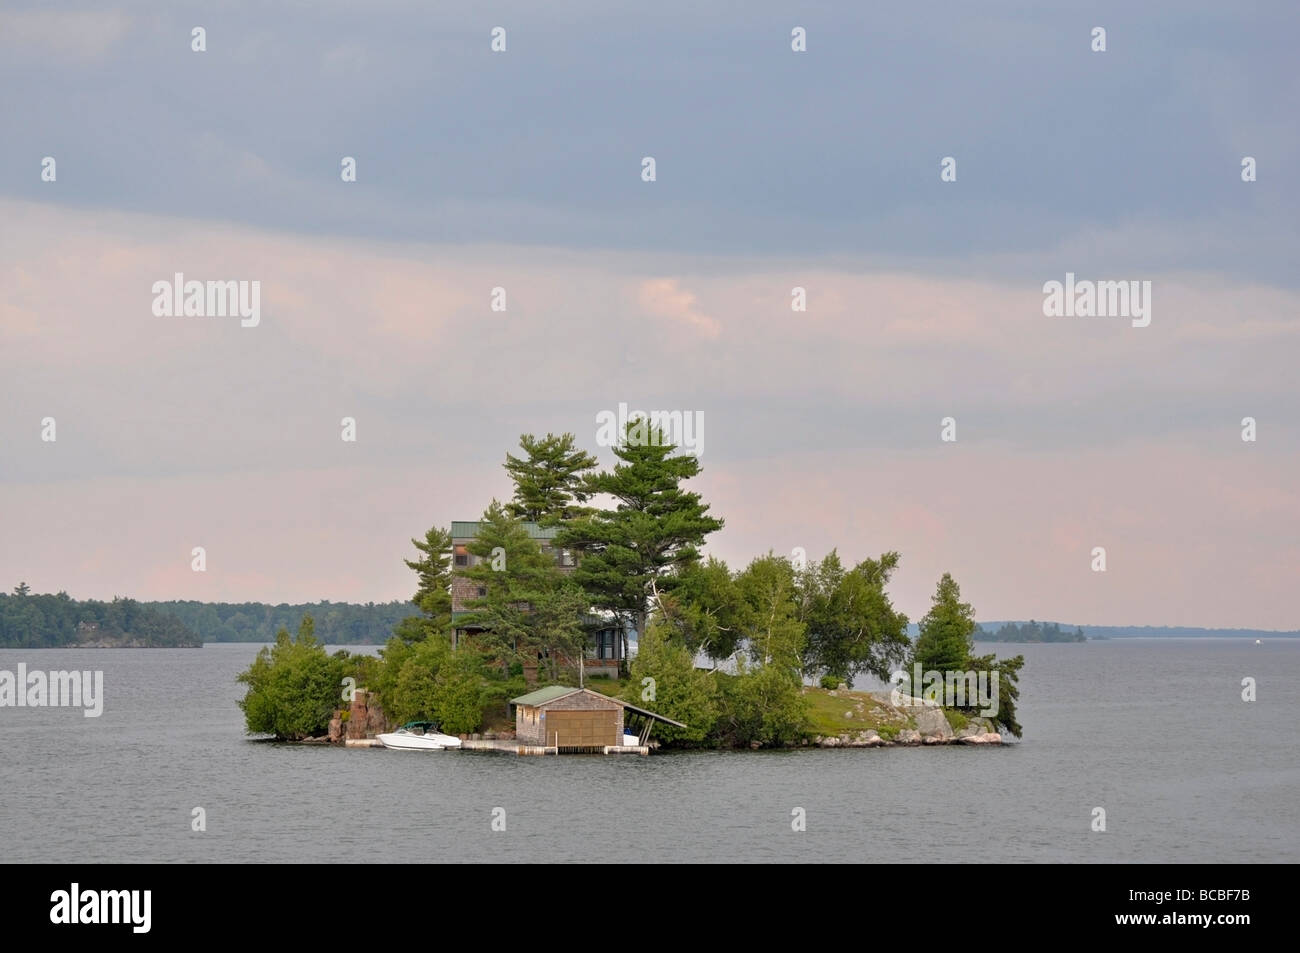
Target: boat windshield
pixel 419 727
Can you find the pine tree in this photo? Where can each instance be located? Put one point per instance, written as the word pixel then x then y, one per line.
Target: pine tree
pixel 947 630
pixel 433 594
pixel 549 480
pixel 655 528
pixel 528 605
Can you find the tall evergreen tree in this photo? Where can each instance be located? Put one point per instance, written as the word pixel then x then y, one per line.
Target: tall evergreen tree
pixel 947 631
pixel 528 604
pixel 548 479
pixel 433 594
pixel 655 528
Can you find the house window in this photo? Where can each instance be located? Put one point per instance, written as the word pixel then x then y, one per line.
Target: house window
pixel 462 559
pixel 566 558
pixel 482 591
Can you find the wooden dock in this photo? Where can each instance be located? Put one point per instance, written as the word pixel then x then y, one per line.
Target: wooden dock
pixel 514 747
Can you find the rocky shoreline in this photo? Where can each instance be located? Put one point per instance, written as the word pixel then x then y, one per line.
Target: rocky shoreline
pixel 909 724
pixel 914 726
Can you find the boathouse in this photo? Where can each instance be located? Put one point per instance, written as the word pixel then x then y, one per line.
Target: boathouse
pixel 560 716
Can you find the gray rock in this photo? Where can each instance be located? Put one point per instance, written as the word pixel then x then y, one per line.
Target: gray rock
pixel 931 721
pixel 909 736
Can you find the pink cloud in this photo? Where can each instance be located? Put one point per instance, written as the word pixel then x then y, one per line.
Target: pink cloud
pixel 665 298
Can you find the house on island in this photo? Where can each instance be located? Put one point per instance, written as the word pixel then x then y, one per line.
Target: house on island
pixel 578 719
pixel 604 652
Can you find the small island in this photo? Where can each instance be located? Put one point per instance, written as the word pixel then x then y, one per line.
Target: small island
pixel 1030 631
pixel 31 621
pixel 552 589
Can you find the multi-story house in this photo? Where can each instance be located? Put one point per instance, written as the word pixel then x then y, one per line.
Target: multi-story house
pixel 604 652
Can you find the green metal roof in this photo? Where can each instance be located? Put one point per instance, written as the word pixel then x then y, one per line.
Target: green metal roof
pixel 543 695
pixel 468 529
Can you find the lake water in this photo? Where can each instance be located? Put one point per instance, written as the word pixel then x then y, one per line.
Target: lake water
pixel 1153 731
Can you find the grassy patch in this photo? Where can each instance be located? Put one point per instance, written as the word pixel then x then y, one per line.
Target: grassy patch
pixel 849 712
pixel 607 686
pixel 956 719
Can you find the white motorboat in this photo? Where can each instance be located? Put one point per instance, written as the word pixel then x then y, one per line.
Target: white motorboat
pixel 418 736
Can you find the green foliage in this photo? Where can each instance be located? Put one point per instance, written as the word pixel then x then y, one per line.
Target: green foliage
pixel 765 706
pixel 433 592
pixel 498 691
pixel 409 692
pixel 852 626
pixel 946 638
pixel 681 692
pixel 293 686
pixel 528 605
pixel 956 720
pixel 337 623
pixel 773 630
pixel 889 732
pixel 458 692
pixel 1033 631
pixel 430 681
pixel 548 479
pixel 655 527
pixel 945 645
pixel 1008 688
pixel 639 562
pixel 703 608
pixel 50 621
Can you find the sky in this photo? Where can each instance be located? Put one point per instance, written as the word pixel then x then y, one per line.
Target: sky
pixel 774 169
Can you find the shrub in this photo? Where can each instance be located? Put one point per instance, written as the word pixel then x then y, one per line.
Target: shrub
pixel 681 692
pixel 458 692
pixel 293 686
pixel 412 696
pixel 765 705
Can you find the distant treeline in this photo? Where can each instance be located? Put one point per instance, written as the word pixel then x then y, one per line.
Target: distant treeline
pixel 337 623
pixel 1030 631
pixel 30 621
pixel 992 632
